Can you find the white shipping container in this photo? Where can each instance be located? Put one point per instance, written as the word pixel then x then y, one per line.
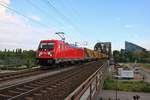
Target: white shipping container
pixel 127 73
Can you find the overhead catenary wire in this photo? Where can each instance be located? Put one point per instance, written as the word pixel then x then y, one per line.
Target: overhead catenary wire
pixel 74 11
pixel 19 13
pixel 51 6
pixel 65 18
pixel 40 9
pixel 35 21
pixel 57 11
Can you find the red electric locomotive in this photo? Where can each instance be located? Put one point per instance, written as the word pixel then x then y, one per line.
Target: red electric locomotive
pixel 57 51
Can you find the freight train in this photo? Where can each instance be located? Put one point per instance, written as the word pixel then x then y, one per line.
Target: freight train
pixel 52 52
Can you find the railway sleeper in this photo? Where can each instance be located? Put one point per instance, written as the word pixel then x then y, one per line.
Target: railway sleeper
pixel 22 89
pixel 29 98
pixel 52 95
pixel 55 85
pixel 40 83
pixel 35 85
pixel 8 92
pixel 59 84
pixel 6 78
pixel 14 91
pixel 45 94
pixel 28 87
pixel 2 96
pixel 62 91
pixel 1 79
pixel 45 81
pixel 35 96
pixel 55 94
pixel 51 92
pixel 36 91
pixel 38 96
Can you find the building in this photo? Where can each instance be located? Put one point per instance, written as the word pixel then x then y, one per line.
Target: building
pixel 130 47
pixel 125 73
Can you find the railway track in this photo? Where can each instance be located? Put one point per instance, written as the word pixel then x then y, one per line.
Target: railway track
pixel 55 87
pixel 20 74
pixel 8 79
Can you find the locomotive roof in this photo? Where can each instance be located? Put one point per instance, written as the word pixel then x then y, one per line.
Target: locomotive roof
pixel 70 45
pixel 50 40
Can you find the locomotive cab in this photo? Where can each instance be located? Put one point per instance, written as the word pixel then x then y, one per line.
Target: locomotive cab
pixel 46 49
pixel 45 52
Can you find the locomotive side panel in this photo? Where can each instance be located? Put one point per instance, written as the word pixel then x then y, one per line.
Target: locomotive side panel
pixel 56 51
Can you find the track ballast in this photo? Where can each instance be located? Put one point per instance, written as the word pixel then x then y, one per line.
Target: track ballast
pixel 55 87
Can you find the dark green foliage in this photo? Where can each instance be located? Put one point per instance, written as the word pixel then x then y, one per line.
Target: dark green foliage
pixel 17 58
pixel 122 56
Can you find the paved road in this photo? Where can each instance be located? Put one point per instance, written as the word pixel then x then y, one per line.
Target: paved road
pixel 146 76
pixel 122 95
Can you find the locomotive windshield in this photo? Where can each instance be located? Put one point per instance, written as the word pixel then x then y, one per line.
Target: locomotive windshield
pixel 46 46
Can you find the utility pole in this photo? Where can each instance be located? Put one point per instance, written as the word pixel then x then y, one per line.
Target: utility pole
pixel 116 89
pixel 116 81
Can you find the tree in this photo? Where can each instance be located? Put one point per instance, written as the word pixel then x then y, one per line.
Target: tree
pixel 116 55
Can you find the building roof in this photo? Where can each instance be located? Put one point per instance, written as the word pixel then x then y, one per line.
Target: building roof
pixel 131 47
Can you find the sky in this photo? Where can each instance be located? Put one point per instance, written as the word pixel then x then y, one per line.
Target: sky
pixel 82 21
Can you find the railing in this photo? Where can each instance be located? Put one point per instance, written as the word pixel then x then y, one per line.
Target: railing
pixel 90 88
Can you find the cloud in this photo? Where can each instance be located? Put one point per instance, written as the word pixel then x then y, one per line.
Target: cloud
pixel 16 32
pixel 128 26
pixel 3 9
pixel 6 17
pixel 36 18
pixel 22 36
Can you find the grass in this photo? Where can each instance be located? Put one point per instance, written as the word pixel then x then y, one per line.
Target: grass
pixel 146 65
pixel 127 85
pixel 14 67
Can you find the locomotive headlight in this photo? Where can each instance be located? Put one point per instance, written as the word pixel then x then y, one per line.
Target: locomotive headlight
pixel 40 53
pixel 49 53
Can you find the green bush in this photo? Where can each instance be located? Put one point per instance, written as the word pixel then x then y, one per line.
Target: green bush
pixel 15 59
pixel 126 85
